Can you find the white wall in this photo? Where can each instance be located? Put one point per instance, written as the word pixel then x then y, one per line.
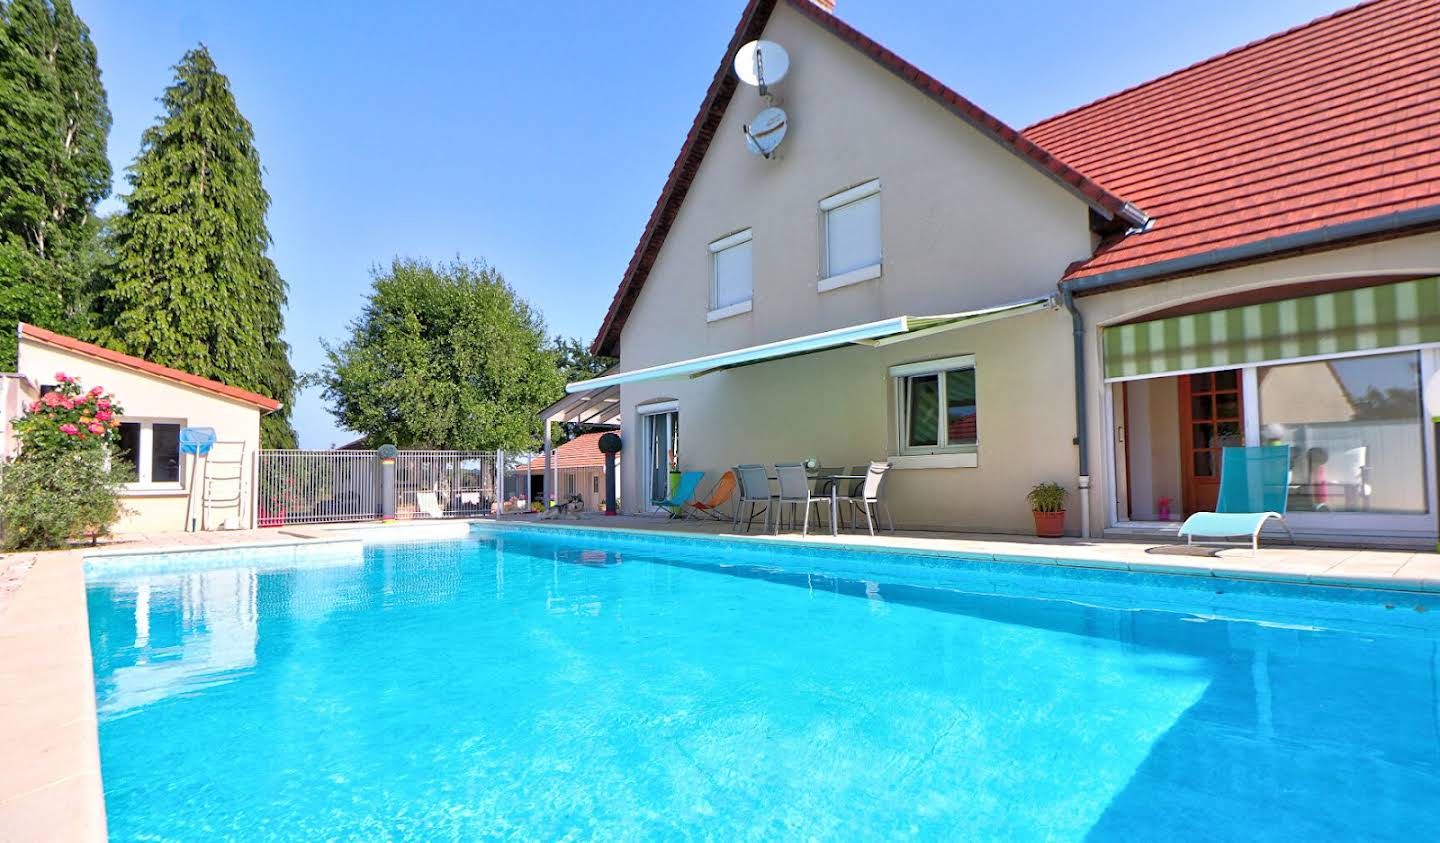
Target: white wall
pixel 148 396
pixel 966 224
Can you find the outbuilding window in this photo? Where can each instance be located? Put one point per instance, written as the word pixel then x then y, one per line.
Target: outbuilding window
pixel 151 451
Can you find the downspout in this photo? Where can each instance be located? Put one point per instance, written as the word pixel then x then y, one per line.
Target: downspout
pixel 1081 416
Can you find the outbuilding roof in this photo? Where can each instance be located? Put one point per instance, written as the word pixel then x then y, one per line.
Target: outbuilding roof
pixel 581 452
pixel 50 338
pixel 1333 125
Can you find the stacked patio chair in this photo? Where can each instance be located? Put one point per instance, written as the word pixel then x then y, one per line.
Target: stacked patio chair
pixel 754 490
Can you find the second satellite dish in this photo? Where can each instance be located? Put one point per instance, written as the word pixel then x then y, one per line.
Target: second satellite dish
pixel 761 63
pixel 765 132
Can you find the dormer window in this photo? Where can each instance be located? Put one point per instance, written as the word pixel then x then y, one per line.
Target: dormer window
pixel 850 232
pixel 732 283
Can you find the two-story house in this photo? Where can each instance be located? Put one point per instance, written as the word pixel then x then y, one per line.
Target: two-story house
pixel 1240 252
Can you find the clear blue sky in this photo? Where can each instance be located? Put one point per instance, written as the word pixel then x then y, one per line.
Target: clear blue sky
pixel 537 135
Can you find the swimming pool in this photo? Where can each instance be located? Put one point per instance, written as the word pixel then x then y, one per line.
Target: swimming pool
pixel 543 683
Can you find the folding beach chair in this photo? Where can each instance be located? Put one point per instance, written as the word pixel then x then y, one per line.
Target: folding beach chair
pixel 723 491
pixel 684 493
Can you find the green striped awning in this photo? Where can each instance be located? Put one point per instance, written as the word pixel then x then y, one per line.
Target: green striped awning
pixel 1406 313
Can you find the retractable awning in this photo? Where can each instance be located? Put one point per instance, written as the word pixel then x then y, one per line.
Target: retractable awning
pixel 875 334
pixel 1341 322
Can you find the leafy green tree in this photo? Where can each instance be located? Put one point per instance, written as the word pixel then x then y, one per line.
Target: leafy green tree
pixel 443 356
pixel 54 123
pixel 191 285
pixel 575 361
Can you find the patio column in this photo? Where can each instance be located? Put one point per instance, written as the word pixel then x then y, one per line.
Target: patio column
pixel 549 487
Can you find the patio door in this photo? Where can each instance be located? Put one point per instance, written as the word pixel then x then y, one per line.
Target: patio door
pixel 662 449
pixel 1211 418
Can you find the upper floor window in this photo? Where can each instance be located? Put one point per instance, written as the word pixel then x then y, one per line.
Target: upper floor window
pixel 732 282
pixel 850 223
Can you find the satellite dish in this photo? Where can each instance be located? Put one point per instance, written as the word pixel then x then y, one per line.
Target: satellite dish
pixel 764 134
pixel 762 63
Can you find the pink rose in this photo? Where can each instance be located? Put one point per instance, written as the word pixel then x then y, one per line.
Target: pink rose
pixel 97 428
pixel 103 404
pixel 52 399
pixel 69 429
pixel 97 391
pixel 104 415
pixel 67 403
pixel 34 406
pixel 60 377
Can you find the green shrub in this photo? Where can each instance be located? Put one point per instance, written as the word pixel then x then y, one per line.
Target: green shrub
pixel 65 483
pixel 50 498
pixel 1047 497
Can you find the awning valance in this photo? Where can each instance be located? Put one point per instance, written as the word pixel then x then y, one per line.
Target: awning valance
pixel 881 333
pixel 1363 319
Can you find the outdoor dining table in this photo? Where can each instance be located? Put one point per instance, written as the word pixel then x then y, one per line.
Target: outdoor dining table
pixel 834 496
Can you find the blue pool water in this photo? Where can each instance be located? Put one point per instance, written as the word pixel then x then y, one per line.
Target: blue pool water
pixel 535 685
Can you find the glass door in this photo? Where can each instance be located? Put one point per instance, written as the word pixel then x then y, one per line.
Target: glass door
pixel 662 448
pixel 1211 418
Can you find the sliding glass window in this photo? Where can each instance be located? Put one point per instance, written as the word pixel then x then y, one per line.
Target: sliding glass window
pixel 1356 430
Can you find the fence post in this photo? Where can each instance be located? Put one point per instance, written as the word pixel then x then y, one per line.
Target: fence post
pixel 387 453
pixel 499 482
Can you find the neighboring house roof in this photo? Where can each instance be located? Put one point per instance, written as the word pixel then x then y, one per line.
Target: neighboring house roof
pixel 581 452
pixel 752 23
pixel 1334 123
pixel 50 338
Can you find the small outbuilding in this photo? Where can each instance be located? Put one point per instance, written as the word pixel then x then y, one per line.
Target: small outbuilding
pixel 158 402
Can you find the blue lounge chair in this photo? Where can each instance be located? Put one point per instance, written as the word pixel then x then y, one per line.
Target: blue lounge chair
pixel 1254 488
pixel 684 493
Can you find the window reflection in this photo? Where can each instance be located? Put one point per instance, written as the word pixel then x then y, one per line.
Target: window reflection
pixel 1356 431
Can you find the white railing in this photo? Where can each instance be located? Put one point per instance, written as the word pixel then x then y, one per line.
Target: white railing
pixel 438 484
pixel 309 487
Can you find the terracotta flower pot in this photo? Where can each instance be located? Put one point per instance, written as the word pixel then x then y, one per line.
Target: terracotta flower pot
pixel 1049 525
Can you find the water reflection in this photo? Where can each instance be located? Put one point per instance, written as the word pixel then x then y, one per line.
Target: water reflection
pixel 186 632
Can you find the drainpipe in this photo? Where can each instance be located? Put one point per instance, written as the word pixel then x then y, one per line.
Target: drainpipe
pixel 1081 418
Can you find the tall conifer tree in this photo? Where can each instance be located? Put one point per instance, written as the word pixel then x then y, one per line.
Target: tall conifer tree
pixel 54 122
pixel 191 285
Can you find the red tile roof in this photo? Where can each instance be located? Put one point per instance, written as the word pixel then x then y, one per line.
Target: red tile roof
pixel 581 452
pixel 51 338
pixel 717 98
pixel 1333 122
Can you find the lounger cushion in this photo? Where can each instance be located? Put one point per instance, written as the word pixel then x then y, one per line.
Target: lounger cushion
pixel 1225 523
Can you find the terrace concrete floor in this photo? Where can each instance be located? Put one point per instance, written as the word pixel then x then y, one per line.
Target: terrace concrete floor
pixel 50 787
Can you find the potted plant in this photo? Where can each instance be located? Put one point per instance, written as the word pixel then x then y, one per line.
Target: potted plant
pixel 1047 504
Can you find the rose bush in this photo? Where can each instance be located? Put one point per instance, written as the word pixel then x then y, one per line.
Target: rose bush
pixel 65 482
pixel 69 417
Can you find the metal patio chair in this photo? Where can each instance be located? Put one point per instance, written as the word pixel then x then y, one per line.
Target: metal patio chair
pixel 795 489
pixel 754 490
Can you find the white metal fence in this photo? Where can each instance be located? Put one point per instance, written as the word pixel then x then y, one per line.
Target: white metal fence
pixel 437 484
pixel 308 487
